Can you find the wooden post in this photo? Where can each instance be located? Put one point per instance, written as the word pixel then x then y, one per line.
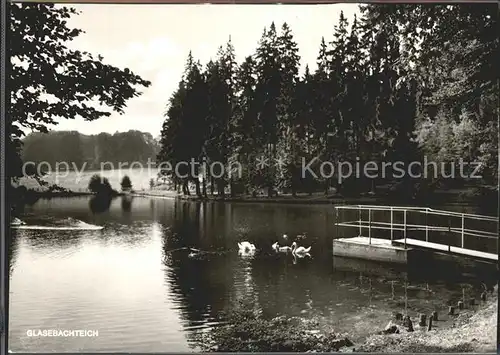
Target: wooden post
pixel 405 227
pixel 392 229
pixel 408 323
pixel 429 327
pixel 369 226
pixel 483 296
pixel 463 234
pixel 423 320
pixel 451 310
pixel 435 315
pixel 460 305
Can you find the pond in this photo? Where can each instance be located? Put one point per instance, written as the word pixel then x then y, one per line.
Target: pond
pixel 134 283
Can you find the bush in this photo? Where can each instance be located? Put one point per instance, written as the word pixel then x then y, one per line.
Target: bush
pixel 126 183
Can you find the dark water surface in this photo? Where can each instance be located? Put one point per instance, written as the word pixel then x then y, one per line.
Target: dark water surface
pixel 130 283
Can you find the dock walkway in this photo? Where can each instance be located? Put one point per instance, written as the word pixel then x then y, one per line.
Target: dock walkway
pixel 399 222
pixel 446 248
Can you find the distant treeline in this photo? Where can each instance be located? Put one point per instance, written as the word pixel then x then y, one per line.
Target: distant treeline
pixel 89 151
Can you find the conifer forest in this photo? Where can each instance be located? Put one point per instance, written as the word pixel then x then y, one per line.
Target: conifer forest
pixel 403 83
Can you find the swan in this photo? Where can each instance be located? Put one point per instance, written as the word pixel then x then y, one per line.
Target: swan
pixel 277 248
pixel 246 247
pixel 299 250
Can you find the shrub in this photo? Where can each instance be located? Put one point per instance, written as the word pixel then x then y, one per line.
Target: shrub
pixel 126 183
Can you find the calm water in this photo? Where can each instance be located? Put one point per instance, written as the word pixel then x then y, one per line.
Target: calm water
pixel 130 283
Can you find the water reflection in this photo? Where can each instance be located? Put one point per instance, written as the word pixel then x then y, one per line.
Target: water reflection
pixel 100 204
pixel 127 203
pixel 48 241
pixel 139 267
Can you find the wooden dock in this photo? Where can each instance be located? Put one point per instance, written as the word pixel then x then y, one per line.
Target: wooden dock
pixel 447 249
pixel 398 247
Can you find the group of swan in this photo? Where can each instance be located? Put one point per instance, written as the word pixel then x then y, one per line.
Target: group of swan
pixel 247 248
pixel 294 248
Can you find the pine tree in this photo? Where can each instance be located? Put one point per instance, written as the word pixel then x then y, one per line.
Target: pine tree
pixel 246 131
pixel 267 96
pixel 288 149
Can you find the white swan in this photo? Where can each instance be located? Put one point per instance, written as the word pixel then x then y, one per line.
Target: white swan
pixel 299 250
pixel 277 248
pixel 246 247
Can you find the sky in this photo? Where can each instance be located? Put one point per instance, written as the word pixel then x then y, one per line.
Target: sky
pixel 154 41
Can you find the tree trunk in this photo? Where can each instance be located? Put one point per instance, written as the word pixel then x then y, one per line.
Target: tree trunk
pixel 211 185
pixel 220 188
pixel 231 186
pixel 198 189
pixel 204 187
pixel 185 187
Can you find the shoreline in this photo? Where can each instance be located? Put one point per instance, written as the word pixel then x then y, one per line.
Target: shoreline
pixel 473 330
pixel 306 200
pixel 457 197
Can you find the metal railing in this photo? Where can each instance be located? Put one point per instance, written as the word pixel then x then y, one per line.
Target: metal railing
pixel 405 227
